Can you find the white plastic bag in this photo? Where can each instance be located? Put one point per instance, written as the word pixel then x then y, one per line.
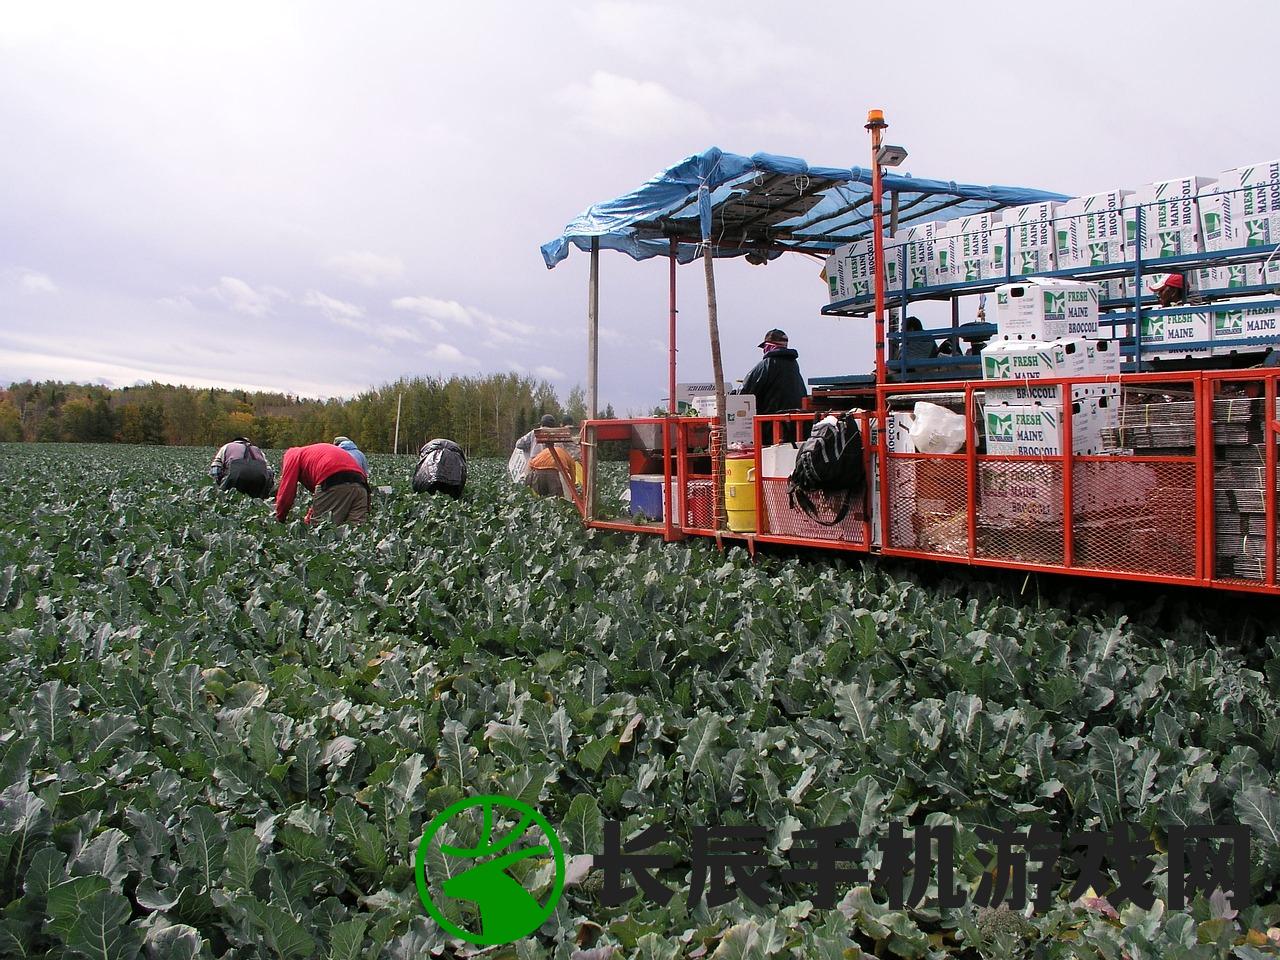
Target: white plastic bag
pixel 936 429
pixel 518 466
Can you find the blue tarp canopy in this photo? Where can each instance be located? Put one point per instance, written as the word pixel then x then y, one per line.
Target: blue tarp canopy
pixel 766 204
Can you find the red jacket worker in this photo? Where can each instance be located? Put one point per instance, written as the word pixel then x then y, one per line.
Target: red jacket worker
pixel 340 487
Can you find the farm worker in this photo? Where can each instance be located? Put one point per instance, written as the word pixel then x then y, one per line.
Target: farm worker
pixel 526 449
pixel 442 468
pixel 544 476
pixel 340 487
pixel 239 465
pixel 1171 290
pixel 349 445
pixel 776 381
pixel 917 348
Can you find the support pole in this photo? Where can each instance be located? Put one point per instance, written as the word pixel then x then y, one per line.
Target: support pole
pixel 395 444
pixel 717 371
pixel 593 332
pixel 876 124
pixel 671 336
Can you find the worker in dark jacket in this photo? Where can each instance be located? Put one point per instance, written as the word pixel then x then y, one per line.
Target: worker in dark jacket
pixel 776 381
pixel 340 488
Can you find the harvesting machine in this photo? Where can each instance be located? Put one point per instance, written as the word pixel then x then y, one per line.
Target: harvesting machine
pixel 1157 463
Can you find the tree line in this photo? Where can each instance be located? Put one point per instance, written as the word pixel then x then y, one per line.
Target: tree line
pixel 484 414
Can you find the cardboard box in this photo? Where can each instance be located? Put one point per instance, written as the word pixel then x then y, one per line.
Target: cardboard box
pixel 1090 231
pixel 1025 394
pixel 1102 358
pixel 920 243
pixel 739 414
pixel 1238 320
pixel 978 246
pixel 1163 334
pixel 1243 208
pixel 1170 217
pixel 686 393
pixel 1031 494
pixel 1036 429
pixel 1047 309
pixel 1033 359
pixel 1031 243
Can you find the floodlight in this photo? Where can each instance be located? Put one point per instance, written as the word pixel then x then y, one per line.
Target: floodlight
pixel 890 156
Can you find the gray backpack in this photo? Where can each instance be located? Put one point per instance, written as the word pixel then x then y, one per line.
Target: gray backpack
pixel 442 466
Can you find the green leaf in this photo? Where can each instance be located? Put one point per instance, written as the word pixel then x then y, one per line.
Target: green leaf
pixel 346 939
pixel 697 746
pixel 1259 808
pixel 203 846
pixel 581 827
pixel 65 901
pixel 281 933
pixel 52 708
pixel 101 931
pixel 102 855
pixel 857 712
pixel 48 869
pixel 175 942
pixel 242 862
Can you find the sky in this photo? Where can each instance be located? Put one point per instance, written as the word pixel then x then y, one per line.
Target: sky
pixel 322 197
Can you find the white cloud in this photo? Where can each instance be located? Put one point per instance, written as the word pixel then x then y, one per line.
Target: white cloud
pixel 179 301
pixel 548 373
pixel 448 315
pixel 365 267
pixel 631 109
pixel 33 281
pixel 447 353
pixel 242 298
pixel 339 311
pixel 437 314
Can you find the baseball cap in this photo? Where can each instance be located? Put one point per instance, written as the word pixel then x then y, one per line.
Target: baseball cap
pixel 773 336
pixel 338 441
pixel 1173 280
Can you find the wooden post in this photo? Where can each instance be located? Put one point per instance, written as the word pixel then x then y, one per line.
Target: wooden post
pixel 593 331
pixel 395 444
pixel 717 371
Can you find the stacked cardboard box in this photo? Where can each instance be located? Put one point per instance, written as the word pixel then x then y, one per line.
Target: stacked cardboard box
pixel 1090 232
pixel 1237 320
pixel 1239 488
pixel 969 249
pixel 1164 334
pixel 1031 244
pixel 1243 208
pixel 1045 309
pixel 1170 217
pixel 922 260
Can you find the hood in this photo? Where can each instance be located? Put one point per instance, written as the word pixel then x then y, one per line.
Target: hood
pixel 782 353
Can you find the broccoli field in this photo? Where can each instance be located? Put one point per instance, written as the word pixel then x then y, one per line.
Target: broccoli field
pixel 223 737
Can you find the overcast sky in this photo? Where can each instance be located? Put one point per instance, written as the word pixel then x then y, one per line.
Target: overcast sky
pixel 319 197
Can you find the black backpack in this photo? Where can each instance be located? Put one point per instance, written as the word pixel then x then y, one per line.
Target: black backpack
pixel 830 461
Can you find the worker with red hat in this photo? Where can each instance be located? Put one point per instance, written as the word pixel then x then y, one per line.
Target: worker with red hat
pixel 1171 290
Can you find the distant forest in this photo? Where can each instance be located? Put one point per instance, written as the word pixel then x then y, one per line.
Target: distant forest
pixel 484 414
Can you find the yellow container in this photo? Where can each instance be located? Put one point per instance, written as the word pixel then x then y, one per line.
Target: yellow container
pixel 740 493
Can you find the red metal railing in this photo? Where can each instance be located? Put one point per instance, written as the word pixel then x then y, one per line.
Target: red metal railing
pixel 1199 511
